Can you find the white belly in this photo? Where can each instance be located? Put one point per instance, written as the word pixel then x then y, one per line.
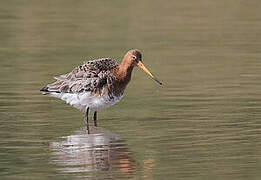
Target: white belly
pixel 82 101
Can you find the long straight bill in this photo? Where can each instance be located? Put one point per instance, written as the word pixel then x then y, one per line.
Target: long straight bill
pixel 141 65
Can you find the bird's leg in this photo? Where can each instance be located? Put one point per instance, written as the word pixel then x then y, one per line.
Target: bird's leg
pixel 95 118
pixel 87 120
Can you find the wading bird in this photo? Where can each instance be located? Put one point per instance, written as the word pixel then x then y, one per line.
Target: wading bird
pixel 97 84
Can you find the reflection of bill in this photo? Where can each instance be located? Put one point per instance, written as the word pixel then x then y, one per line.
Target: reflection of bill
pixel 148 166
pixel 99 151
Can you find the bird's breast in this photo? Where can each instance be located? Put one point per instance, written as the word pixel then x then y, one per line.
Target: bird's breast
pixel 96 101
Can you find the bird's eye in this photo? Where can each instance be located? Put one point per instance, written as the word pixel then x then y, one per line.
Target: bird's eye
pixel 134 57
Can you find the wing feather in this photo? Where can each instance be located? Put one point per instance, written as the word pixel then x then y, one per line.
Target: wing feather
pixel 90 76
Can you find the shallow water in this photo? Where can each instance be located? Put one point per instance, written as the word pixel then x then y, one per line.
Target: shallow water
pixel 203 123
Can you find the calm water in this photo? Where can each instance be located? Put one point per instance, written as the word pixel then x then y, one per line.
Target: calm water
pixel 204 123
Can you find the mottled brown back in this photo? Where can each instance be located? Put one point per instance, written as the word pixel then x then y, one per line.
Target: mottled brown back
pixel 91 76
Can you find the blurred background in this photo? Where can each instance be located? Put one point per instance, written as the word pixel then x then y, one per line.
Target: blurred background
pixel 203 123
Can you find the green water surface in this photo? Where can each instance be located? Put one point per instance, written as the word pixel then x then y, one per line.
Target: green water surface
pixel 204 123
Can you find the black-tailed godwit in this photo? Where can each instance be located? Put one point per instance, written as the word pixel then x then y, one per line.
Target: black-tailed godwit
pixel 97 84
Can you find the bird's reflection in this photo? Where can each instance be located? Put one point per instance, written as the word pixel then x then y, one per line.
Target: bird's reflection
pixel 99 151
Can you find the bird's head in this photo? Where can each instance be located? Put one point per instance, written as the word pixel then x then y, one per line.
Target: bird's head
pixel 134 58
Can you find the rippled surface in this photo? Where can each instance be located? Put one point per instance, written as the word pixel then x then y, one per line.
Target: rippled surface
pixel 203 123
pixel 99 151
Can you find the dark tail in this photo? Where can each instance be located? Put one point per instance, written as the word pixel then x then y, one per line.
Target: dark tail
pixel 44 89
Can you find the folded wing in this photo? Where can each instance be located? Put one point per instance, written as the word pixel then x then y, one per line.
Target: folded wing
pixel 91 76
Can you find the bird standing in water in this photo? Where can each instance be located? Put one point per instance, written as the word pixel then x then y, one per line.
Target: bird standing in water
pixel 97 84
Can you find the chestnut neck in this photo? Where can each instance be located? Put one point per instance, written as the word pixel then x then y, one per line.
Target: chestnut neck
pixel 123 72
